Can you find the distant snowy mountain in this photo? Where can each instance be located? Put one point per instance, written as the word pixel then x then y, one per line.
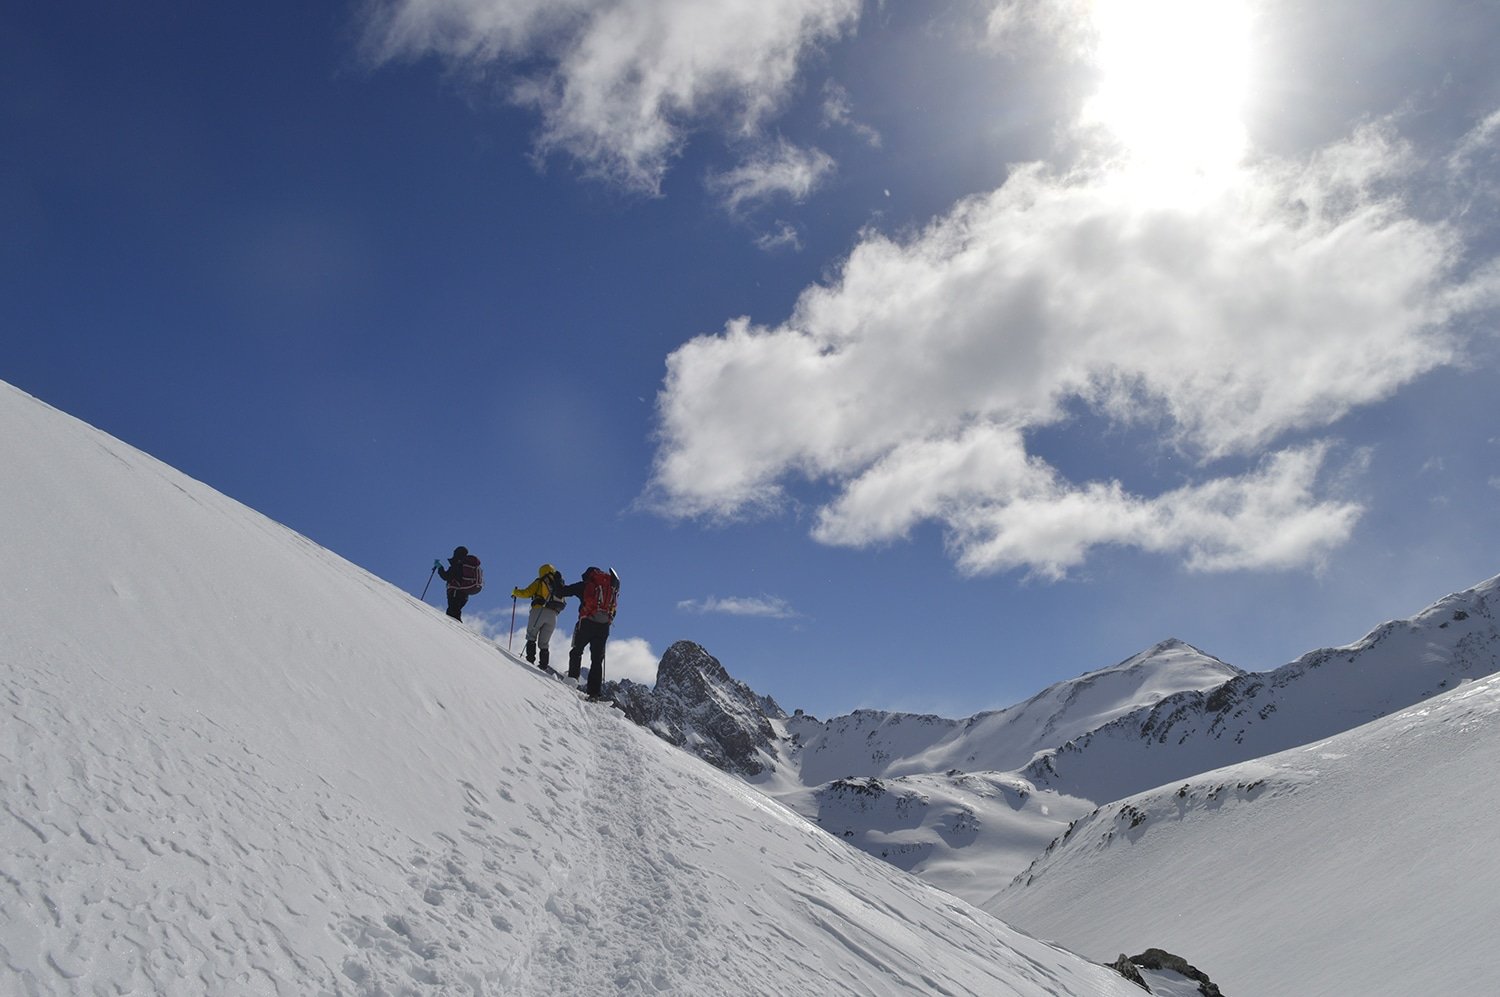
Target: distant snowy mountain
pixel 1321 693
pixel 871 743
pixel 898 785
pixel 966 804
pixel 233 763
pixel 938 797
pixel 1365 863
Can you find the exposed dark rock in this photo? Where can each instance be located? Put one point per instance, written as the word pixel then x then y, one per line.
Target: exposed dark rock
pixel 1128 969
pixel 696 705
pixel 1161 960
pixel 872 788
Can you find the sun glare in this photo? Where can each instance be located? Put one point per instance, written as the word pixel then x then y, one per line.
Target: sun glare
pixel 1173 78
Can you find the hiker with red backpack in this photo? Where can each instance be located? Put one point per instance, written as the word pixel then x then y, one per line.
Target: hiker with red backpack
pixel 598 592
pixel 546 603
pixel 464 578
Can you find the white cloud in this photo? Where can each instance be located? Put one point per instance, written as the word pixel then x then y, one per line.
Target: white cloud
pixel 493 624
pixel 1019 512
pixel 838 111
pixel 1272 303
pixel 783 236
pixel 765 605
pixel 780 170
pixel 624 657
pixel 1068 24
pixel 1477 154
pixel 628 658
pixel 619 83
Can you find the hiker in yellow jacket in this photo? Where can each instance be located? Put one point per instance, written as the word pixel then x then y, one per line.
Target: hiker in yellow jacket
pixel 545 605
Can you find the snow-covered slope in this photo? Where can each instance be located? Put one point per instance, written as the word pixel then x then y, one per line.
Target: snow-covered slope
pixel 231 762
pixel 1366 863
pixel 1321 693
pixel 968 833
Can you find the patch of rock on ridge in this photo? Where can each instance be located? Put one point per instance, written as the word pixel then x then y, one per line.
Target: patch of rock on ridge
pixel 1162 961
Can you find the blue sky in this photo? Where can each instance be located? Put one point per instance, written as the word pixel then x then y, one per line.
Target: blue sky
pixel 905 355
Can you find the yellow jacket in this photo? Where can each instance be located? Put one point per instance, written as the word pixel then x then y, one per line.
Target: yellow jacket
pixel 539 591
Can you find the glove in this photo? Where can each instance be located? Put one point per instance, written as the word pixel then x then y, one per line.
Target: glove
pixel 436 564
pixel 515 593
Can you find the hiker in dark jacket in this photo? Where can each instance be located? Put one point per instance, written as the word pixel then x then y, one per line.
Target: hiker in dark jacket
pixel 464 578
pixel 597 592
pixel 546 603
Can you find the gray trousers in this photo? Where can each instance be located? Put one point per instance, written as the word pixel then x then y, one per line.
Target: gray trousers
pixel 540 624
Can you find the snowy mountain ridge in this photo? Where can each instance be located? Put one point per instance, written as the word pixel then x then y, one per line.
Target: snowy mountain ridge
pixel 1323 692
pixel 1358 861
pixel 698 705
pixel 967 804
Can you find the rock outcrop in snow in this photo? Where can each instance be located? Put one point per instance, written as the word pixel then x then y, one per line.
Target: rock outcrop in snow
pixel 696 705
pixel 1159 963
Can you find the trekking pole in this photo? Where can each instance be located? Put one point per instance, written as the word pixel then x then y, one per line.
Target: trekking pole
pixel 511 640
pixel 429 581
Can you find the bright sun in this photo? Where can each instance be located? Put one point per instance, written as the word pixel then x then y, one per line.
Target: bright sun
pixel 1173 81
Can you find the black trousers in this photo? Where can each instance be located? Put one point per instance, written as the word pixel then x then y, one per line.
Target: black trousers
pixel 456 601
pixel 593 635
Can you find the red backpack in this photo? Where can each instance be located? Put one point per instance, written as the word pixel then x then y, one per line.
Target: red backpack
pixel 601 591
pixel 470 576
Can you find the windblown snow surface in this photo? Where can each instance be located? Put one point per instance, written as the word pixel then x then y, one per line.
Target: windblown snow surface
pixel 233 763
pixel 1364 864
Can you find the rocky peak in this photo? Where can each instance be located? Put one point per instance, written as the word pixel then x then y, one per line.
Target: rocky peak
pixel 687 670
pixel 697 705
